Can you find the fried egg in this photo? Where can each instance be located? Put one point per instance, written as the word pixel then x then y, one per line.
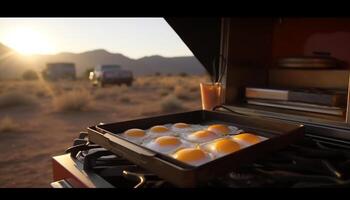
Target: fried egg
pixel 248 138
pixel 222 129
pixel 165 144
pixel 159 130
pixel 135 135
pixel 201 136
pixel 192 156
pixel 184 127
pixel 222 147
pixel 181 127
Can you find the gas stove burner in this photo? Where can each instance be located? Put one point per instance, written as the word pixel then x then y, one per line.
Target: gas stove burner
pixel 308 163
pixel 144 179
pixel 240 176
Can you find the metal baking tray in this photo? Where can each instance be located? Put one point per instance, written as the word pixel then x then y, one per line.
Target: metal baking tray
pixel 279 133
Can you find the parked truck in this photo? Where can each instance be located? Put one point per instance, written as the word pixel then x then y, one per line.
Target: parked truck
pixel 56 71
pixel 110 74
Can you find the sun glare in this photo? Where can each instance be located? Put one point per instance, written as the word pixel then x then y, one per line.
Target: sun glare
pixel 28 41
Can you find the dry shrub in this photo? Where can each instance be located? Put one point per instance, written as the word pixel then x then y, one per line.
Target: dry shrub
pixel 101 94
pixel 36 88
pixel 167 82
pixel 63 86
pixel 122 89
pixel 12 87
pixel 137 83
pixel 145 110
pixel 169 87
pixel 164 92
pixel 41 93
pixel 56 89
pixel 182 92
pixel 148 113
pixel 193 85
pixel 73 101
pixel 140 82
pixel 183 74
pixel 12 99
pixel 110 92
pixel 67 88
pixel 7 124
pixel 194 88
pixel 147 82
pixel 125 99
pixel 30 75
pixel 171 104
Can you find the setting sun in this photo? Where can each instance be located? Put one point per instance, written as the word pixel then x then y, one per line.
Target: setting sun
pixel 28 41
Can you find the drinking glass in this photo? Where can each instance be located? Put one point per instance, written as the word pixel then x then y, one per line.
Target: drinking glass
pixel 212 94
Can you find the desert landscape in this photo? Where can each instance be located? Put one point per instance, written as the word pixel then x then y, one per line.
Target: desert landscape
pixel 40 119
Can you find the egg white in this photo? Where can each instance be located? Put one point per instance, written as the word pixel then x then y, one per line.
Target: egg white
pixel 151 144
pixel 192 127
pixel 244 143
pixel 233 129
pixel 192 138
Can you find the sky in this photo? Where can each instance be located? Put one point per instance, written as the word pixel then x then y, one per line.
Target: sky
pixel 133 37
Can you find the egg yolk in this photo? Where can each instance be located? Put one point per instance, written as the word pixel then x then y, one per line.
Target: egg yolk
pixel 189 155
pixel 159 129
pixel 135 132
pixel 203 134
pixel 181 125
pixel 219 128
pixel 167 141
pixel 226 146
pixel 248 137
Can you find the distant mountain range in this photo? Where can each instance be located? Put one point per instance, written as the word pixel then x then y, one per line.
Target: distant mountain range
pixel 12 65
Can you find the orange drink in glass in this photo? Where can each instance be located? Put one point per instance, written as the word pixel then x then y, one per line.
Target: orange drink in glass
pixel 211 95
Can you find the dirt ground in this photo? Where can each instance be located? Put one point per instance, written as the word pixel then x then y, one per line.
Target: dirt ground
pixel 39 120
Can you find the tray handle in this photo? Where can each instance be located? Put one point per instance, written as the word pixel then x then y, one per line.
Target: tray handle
pixel 113 139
